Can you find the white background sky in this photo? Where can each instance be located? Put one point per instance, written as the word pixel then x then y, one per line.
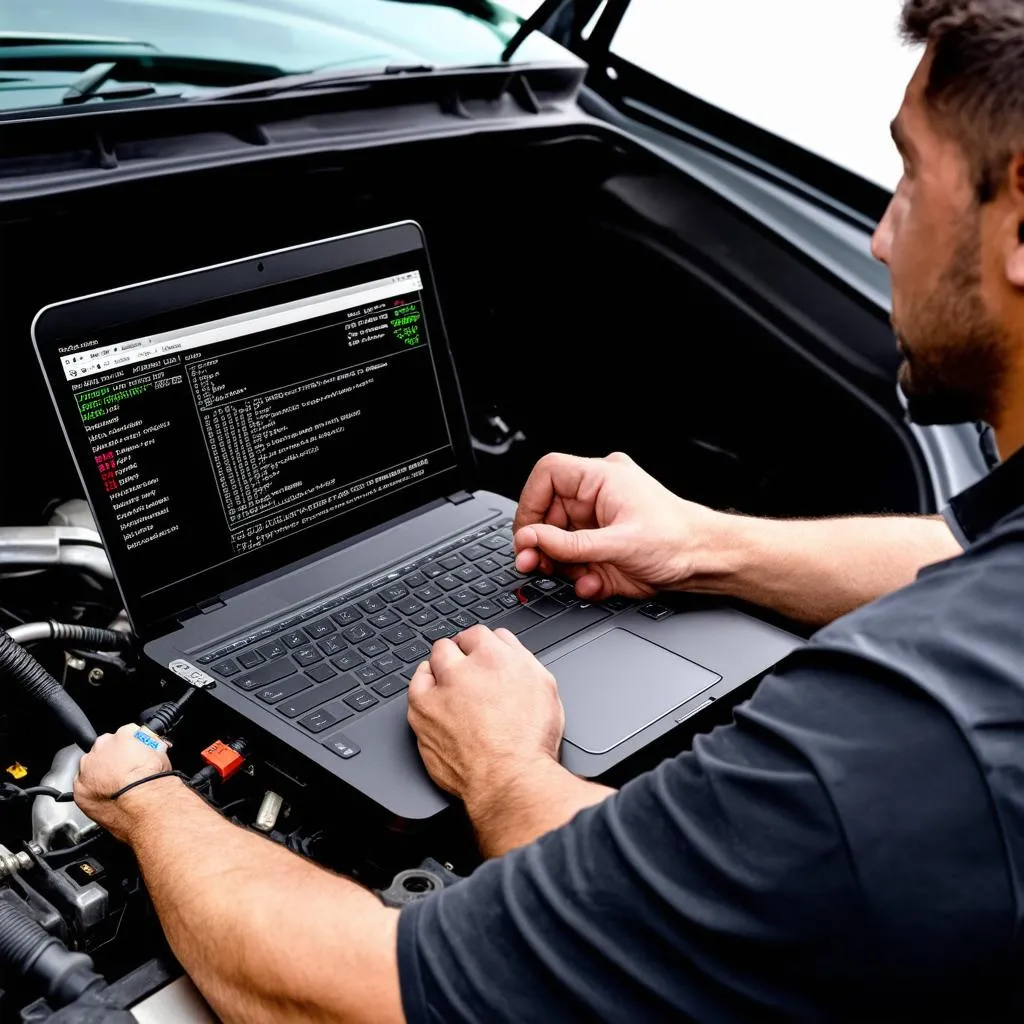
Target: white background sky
pixel 826 75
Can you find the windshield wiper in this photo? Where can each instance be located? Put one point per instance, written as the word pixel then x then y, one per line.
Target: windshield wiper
pixel 123 60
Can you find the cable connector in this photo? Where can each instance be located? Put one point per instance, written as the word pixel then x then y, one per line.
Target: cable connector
pixel 224 758
pixel 162 718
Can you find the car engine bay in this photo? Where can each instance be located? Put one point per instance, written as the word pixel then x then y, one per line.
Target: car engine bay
pixel 595 299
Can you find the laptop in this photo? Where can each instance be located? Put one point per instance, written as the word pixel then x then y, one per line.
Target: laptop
pixel 277 457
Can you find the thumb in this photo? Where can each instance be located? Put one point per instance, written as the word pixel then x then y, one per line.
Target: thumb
pixel 580 546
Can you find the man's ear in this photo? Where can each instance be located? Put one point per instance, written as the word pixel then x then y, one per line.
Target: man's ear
pixel 1015 260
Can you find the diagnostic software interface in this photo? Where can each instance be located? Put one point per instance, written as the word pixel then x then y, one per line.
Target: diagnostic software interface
pixel 215 440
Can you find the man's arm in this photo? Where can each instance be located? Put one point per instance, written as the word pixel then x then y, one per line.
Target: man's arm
pixel 613 529
pixel 265 935
pixel 818 570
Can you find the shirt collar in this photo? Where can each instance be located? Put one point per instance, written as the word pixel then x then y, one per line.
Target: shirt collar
pixel 993 497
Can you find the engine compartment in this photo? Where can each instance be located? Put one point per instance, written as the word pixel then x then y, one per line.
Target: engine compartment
pixel 595 300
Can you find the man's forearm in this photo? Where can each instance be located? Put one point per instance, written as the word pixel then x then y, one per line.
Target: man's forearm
pixel 817 570
pixel 265 935
pixel 518 806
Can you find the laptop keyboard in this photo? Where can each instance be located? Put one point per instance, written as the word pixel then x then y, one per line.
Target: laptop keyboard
pixel 349 654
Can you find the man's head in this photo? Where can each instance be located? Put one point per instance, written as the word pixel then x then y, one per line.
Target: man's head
pixel 953 235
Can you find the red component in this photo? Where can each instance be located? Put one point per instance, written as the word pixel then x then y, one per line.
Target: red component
pixel 220 756
pixel 522 597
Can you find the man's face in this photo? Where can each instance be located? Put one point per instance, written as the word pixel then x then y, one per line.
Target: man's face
pixel 955 353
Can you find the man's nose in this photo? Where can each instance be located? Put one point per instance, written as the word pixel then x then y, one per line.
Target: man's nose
pixel 881 240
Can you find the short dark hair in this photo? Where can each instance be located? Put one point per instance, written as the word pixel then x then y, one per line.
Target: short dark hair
pixel 976 82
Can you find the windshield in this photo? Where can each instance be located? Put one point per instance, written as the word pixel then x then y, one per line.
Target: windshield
pixel 46 46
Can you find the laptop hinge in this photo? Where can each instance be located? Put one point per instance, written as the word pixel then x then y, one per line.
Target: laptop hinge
pixel 459 497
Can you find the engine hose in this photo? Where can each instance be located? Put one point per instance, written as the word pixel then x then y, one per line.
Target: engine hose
pixel 79 636
pixel 20 666
pixel 26 947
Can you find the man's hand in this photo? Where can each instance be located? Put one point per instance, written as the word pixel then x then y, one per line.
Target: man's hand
pixel 484 710
pixel 609 526
pixel 114 761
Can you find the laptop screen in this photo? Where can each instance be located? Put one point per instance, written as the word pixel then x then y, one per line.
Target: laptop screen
pixel 249 431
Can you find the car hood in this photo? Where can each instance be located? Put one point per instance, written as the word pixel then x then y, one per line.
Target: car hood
pixel 294 35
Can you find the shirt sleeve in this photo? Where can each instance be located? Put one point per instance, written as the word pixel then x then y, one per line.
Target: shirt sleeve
pixel 769 873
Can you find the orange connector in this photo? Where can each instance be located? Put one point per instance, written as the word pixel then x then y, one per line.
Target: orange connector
pixel 223 758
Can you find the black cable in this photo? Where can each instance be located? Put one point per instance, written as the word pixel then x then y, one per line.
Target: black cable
pixel 9 791
pixel 150 778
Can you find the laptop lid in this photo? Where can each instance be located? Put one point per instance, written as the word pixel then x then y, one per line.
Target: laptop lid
pixel 236 419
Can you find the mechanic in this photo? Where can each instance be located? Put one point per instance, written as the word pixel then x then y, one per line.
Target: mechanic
pixel 851 847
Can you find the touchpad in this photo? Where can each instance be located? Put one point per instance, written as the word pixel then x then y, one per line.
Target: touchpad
pixel 619 684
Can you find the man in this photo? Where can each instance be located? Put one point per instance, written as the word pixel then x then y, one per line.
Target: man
pixel 852 847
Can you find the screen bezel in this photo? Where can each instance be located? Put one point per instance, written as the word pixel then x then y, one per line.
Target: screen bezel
pixel 94 315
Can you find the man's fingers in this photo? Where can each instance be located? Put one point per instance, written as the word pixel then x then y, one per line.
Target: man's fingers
pixel 508 637
pixel 422 682
pixel 444 656
pixel 553 475
pixel 473 638
pixel 576 546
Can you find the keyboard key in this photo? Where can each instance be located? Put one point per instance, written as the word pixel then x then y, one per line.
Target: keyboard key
pixel 551 631
pixel 266 674
pixel 399 634
pixel 409 671
pixel 494 542
pixel 467 573
pixel 451 562
pixel 389 663
pixel 545 584
pixel 474 551
pixel 384 618
pixel 616 603
pixel 437 630
pixel 283 688
pixel 417 650
pixel 414 580
pixel 348 660
pixel 332 645
pixel 347 615
pixel 227 668
pixel 342 746
pixel 317 721
pixel 357 633
pixel 393 593
pixel 429 592
pixel 390 686
pixel 295 639
pixel 449 582
pixel 652 610
pixel 309 699
pixel 318 673
pixel 485 609
pixel 488 565
pixel 545 607
pixel 464 597
pixel 423 617
pixel 506 600
pixel 504 579
pixel 366 674
pixel 361 700
pixel 463 620
pixel 307 656
pixel 484 587
pixel 250 659
pixel 433 569
pixel 371 604
pixel 374 647
pixel 410 606
pixel 519 620
pixel 321 628
pixel 275 649
pixel 445 606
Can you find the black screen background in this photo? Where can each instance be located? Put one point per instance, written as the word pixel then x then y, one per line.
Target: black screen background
pixel 171 578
